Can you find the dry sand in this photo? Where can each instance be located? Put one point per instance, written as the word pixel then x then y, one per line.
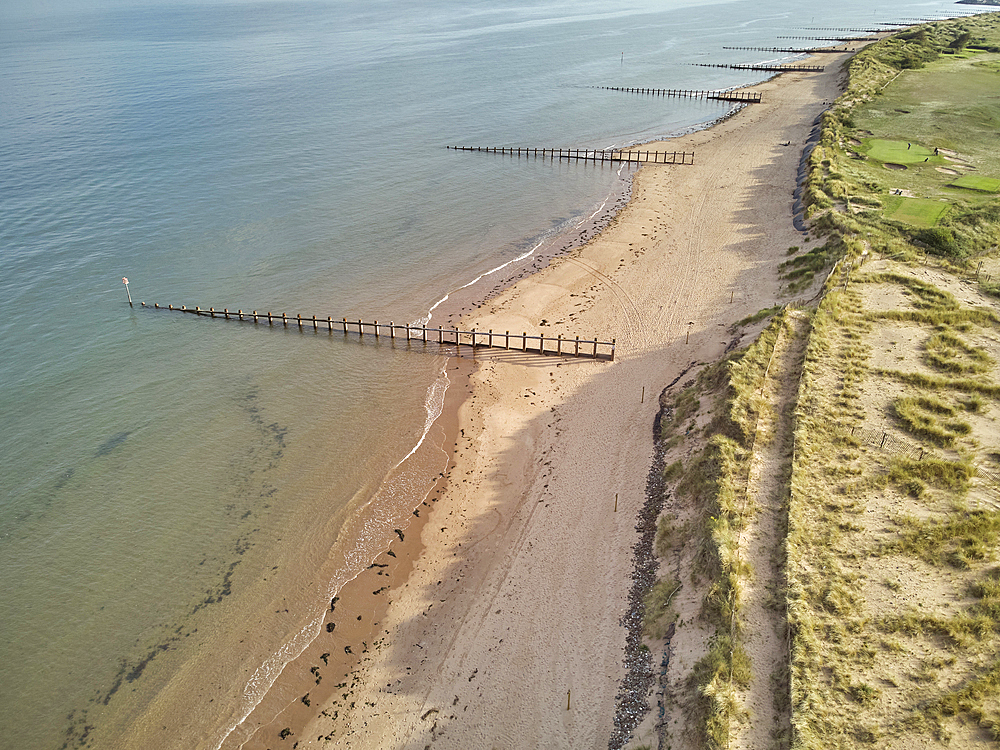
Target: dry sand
pixel 513 608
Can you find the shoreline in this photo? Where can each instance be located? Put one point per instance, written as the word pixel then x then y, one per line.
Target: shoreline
pixel 390 568
pixel 492 565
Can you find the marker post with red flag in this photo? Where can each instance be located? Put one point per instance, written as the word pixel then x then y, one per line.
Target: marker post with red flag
pixel 125 282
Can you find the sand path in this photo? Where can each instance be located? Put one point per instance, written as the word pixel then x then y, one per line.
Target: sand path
pixel 514 607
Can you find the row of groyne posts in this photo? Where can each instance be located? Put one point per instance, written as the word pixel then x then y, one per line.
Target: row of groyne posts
pixel 582 154
pixel 558 345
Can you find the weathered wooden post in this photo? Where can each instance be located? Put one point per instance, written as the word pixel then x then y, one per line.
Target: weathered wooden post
pixel 269 317
pixel 298 316
pixel 559 344
pixel 127 293
pixel 376 329
pixel 595 348
pixel 541 343
pixel 613 350
pixel 506 340
pixel 489 340
pixel 211 312
pixel 524 341
pixel 576 347
pixel 314 322
pixel 458 344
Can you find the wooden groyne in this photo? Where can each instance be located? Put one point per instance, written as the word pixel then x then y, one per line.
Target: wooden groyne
pixel 749 97
pixel 581 154
pixel 768 68
pixel 558 345
pixel 832 39
pixel 790 50
pixel 853 31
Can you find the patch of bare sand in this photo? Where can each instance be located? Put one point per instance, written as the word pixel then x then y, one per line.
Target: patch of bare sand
pixel 507 633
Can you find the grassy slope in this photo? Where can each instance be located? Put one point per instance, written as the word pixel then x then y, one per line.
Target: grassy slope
pixel 891 553
pixel 893 598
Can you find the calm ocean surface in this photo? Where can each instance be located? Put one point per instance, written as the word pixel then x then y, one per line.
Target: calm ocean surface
pixel 180 497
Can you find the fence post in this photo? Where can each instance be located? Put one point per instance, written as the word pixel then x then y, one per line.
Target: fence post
pixel 613 350
pixel 576 347
pixel 524 341
pixel 269 317
pixel 376 329
pixel 559 344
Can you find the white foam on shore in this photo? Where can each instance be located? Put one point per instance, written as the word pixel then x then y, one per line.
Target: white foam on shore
pixel 523 256
pixel 373 537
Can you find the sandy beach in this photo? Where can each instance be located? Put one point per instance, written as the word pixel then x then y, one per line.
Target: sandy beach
pixel 504 627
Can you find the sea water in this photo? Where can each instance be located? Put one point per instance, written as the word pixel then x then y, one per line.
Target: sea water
pixel 180 497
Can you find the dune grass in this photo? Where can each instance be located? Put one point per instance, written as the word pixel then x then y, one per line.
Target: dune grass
pixel 845 689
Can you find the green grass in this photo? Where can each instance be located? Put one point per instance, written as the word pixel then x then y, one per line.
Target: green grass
pixel 975 182
pixel 758 316
pixel 897 152
pixel 920 212
pixel 656 615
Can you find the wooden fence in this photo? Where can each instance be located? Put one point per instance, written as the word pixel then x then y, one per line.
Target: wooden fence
pixel 614 155
pixel 736 95
pixel 541 344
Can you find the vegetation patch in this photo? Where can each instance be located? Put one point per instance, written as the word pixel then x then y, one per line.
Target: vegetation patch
pixel 946 351
pixel 959 541
pixel 930 418
pixel 975 182
pixel 898 152
pixel 919 212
